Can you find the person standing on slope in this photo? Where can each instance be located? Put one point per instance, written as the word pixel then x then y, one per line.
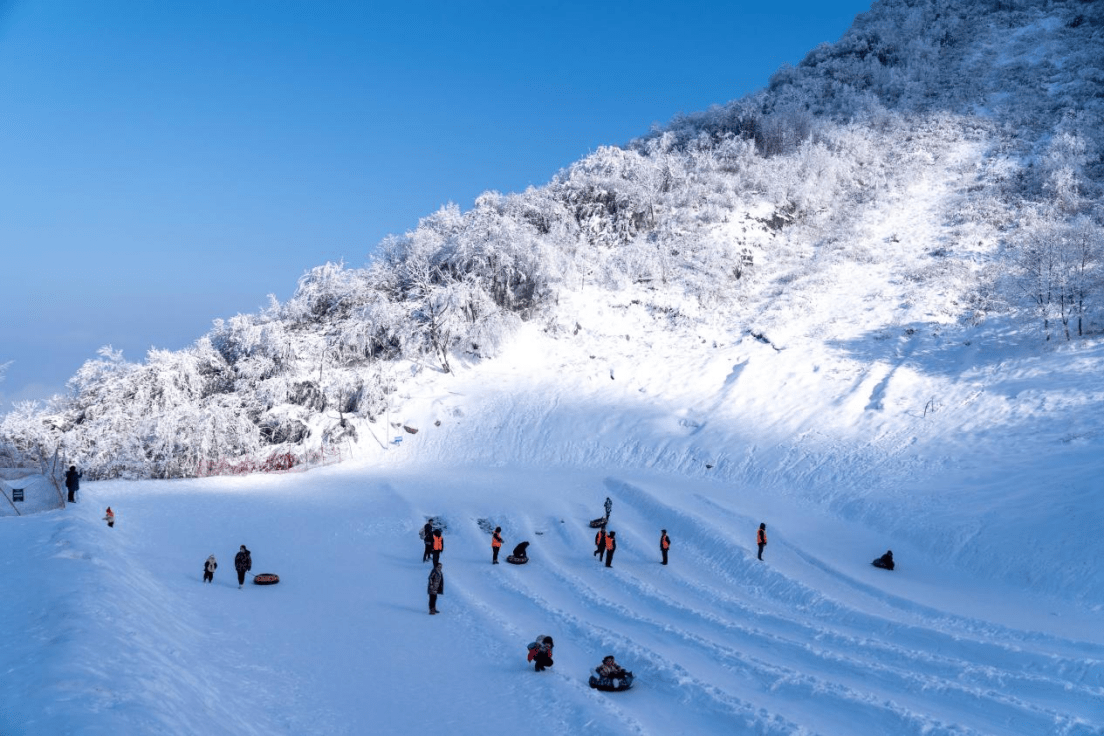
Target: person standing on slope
pixel 761 539
pixel 611 547
pixel 72 482
pixel 496 544
pixel 243 563
pixel 600 543
pixel 109 517
pixel 664 544
pixel 540 653
pixel 435 587
pixel 209 568
pixel 438 545
pixel 427 539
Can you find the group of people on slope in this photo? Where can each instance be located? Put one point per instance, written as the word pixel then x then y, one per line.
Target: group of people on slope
pixel 243 563
pixel 609 673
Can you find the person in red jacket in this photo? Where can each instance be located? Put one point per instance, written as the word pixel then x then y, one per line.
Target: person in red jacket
pixel 664 544
pixel 496 543
pixel 109 517
pixel 761 539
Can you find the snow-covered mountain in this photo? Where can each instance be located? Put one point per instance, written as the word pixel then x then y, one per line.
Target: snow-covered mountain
pixel 863 306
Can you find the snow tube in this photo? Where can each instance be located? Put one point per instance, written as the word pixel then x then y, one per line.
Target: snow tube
pixel 598 523
pixel 612 685
pixel 266 578
pixel 517 560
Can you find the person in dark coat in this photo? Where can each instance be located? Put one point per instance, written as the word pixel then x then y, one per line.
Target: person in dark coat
pixel 209 568
pixel 520 550
pixel 600 543
pixel 885 561
pixel 611 547
pixel 664 544
pixel 435 587
pixel 243 563
pixel 761 539
pixel 72 482
pixel 427 537
pixel 496 544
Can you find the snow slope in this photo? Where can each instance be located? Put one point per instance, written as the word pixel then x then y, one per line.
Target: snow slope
pixel 990 624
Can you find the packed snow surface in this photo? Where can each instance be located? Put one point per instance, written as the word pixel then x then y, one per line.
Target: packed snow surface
pixel 973 454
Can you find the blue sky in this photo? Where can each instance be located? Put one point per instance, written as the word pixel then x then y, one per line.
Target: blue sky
pixel 166 164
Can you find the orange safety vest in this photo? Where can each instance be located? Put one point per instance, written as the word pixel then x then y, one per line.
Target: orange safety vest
pixel 438 543
pixel 761 537
pixel 664 542
pixel 496 541
pixel 609 542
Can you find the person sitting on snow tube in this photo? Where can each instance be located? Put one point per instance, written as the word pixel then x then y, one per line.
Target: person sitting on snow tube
pixel 519 557
pixel 885 561
pixel 610 675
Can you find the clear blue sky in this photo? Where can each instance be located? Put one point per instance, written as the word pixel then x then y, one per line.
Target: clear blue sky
pixel 163 164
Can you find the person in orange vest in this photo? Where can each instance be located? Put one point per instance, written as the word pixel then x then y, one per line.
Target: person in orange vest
pixel 664 544
pixel 761 539
pixel 611 547
pixel 600 543
pixel 109 517
pixel 438 545
pixel 496 542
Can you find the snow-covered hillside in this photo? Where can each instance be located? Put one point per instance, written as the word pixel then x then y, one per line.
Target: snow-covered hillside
pixel 828 316
pixel 988 496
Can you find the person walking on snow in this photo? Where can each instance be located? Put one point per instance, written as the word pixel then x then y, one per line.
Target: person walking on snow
pixel 72 482
pixel 438 545
pixel 664 544
pixel 209 568
pixel 435 587
pixel 600 543
pixel 243 563
pixel 427 538
pixel 611 547
pixel 109 517
pixel 761 539
pixel 496 543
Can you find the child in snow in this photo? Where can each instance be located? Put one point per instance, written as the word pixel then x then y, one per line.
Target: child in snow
pixel 540 653
pixel 609 669
pixel 885 561
pixel 436 587
pixel 209 568
pixel 243 563
pixel 109 517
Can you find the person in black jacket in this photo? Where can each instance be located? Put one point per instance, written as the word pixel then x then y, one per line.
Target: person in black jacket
pixel 664 544
pixel 885 561
pixel 72 482
pixel 435 587
pixel 427 537
pixel 611 547
pixel 243 563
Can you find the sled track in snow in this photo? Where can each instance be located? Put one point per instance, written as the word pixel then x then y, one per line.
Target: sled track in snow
pixel 751 637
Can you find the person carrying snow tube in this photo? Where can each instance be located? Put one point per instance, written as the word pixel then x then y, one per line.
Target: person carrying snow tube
pixel 609 676
pixel 519 557
pixel 540 653
pixel 885 561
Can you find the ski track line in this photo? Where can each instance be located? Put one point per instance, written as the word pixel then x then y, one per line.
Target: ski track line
pixel 582 632
pixel 1058 690
pixel 678 674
